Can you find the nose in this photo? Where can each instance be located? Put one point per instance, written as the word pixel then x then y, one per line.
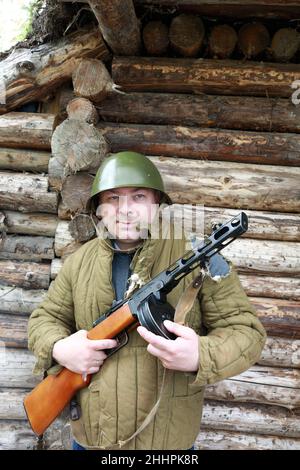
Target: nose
pixel 124 205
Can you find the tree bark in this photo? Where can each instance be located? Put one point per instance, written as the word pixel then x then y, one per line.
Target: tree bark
pixel 26 193
pixel 27 248
pixel 264 257
pixel 232 185
pixel 64 243
pixel 251 418
pixel 29 224
pixel 13 330
pixel 271 386
pixel 204 144
pixel 229 440
pixel 16 300
pixel 24 160
pixel 281 352
pixel 216 77
pixel 30 75
pixel 24 274
pixel 266 9
pixel 279 317
pixel 118 24
pixel 26 130
pixel 274 287
pixel 223 112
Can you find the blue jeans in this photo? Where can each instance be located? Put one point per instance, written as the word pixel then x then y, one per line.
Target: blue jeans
pixel 76 446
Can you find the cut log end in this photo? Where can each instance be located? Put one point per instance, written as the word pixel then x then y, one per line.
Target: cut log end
pixel 186 35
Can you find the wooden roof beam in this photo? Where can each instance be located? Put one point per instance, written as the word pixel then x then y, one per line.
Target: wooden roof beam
pixel 118 24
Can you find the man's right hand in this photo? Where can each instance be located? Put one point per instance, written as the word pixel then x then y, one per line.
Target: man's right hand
pixel 80 354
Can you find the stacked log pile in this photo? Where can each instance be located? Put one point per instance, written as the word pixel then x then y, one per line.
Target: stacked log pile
pixel 224 134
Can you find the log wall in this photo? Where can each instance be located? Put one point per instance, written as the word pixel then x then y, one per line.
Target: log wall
pixel 223 144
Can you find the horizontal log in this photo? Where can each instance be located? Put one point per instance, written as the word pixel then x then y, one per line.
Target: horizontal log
pixel 26 130
pixel 24 160
pixel 271 386
pixel 13 330
pixel 26 193
pixel 20 301
pixel 227 440
pixel 266 9
pixel 264 257
pixel 279 317
pixel 233 185
pixel 26 247
pixel 30 223
pixel 222 112
pixel 204 143
pixel 281 352
pixel 17 435
pixel 11 406
pixel 210 76
pixel 31 74
pixel 56 265
pixel 25 274
pixel 251 418
pixel 16 368
pixel 271 286
pixel 64 244
pixel 262 225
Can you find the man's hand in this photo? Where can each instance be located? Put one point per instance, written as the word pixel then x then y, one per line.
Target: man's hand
pixel 80 354
pixel 179 354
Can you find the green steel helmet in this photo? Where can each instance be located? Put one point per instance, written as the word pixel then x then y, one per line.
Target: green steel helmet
pixel 126 169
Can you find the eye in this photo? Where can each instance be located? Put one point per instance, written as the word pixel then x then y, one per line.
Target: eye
pixel 113 198
pixel 139 196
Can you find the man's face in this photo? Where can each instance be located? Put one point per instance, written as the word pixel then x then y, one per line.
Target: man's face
pixel 124 210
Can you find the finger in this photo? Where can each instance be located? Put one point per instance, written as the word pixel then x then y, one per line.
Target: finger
pixel 155 340
pixel 99 344
pixel 93 370
pixel 178 330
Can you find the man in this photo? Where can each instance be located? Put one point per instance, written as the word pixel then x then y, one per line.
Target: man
pixel 148 394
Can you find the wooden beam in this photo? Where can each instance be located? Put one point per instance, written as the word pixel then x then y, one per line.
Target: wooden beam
pixel 118 24
pixel 27 248
pixel 29 224
pixel 223 112
pixel 24 160
pixel 250 418
pixel 267 9
pixel 204 144
pixel 269 385
pixel 28 275
pixel 26 130
pixel 216 77
pixel 32 74
pixel 229 440
pixel 26 193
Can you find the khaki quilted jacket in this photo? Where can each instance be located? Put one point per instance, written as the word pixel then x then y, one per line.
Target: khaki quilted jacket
pixel 127 386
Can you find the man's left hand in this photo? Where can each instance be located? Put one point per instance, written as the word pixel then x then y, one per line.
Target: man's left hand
pixel 179 354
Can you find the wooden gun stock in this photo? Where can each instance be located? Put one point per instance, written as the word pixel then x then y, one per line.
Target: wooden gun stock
pixel 47 400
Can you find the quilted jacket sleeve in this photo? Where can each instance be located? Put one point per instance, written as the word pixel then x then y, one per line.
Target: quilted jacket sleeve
pixel 52 320
pixel 235 336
